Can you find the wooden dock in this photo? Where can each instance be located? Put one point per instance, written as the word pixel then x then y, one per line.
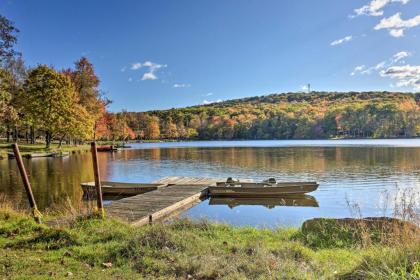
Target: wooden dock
pixel 180 193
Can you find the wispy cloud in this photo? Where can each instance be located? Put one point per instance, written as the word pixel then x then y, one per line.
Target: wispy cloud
pixel 405 75
pixel 396 26
pixel 357 69
pixel 205 102
pixel 149 76
pixel 181 85
pixel 208 94
pixel 401 55
pixel 375 7
pixel 135 66
pixel 151 68
pixel 341 41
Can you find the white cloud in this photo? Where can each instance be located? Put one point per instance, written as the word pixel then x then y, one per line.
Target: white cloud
pixel 182 85
pixel 380 65
pixel 396 25
pixel 130 79
pixel 401 55
pixel 375 7
pixel 205 102
pixel 149 76
pixel 151 68
pixel 361 69
pixel 123 69
pixel 396 33
pixel 340 41
pixel 357 69
pixel 209 94
pixel 405 75
pixel 135 66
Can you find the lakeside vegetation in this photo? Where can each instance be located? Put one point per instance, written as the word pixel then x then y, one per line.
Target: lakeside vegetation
pixel 86 247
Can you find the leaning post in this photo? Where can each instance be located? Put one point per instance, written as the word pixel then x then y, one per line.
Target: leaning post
pixel 96 173
pixel 37 215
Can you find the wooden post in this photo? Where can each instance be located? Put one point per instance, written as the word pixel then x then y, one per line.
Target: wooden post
pixel 97 179
pixel 37 215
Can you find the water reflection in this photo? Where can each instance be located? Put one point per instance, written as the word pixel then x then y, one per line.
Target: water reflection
pixel 358 174
pixel 298 200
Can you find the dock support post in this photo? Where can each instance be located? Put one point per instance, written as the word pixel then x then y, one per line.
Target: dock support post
pixel 35 212
pixel 96 173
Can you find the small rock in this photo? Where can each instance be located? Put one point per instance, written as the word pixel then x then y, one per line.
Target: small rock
pixel 107 265
pixel 69 274
pixel 189 276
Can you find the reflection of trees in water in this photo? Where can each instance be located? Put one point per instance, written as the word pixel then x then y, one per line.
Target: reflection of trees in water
pixel 56 179
pixel 53 180
pixel 295 159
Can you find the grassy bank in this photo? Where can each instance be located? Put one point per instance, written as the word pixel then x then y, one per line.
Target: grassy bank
pixel 108 249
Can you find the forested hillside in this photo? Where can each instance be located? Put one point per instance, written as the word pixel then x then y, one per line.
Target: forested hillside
pixel 286 116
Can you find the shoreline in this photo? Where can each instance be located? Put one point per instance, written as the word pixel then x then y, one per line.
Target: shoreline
pixel 28 149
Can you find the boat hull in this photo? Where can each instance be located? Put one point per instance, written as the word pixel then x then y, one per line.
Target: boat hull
pixel 265 191
pixel 269 202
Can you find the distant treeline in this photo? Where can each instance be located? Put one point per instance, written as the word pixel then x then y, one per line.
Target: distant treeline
pixel 286 116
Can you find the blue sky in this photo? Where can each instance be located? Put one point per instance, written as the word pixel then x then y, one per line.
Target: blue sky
pixel 163 54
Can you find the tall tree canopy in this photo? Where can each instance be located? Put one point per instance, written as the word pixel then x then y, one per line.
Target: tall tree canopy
pixel 52 102
pixel 7 39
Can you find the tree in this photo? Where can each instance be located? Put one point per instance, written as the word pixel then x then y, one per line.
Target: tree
pixel 86 84
pixel 52 103
pixel 8 113
pixel 5 95
pixel 152 130
pixel 7 39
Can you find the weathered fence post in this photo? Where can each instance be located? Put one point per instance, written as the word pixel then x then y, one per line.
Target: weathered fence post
pixel 37 215
pixel 97 179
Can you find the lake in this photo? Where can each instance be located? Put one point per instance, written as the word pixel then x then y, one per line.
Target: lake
pixel 362 172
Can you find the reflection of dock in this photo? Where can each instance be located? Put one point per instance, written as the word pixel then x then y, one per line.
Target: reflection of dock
pixel 178 194
pixel 269 202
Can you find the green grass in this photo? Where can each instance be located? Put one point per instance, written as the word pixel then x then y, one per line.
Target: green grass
pixel 185 249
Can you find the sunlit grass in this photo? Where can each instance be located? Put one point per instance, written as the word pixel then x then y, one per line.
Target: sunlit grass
pixel 85 246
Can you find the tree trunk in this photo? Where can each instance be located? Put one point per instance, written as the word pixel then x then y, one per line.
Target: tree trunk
pixel 32 133
pixel 47 139
pixel 61 141
pixel 15 134
pixel 27 135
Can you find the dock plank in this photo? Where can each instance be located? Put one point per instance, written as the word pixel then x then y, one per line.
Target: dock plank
pixel 181 193
pixel 177 194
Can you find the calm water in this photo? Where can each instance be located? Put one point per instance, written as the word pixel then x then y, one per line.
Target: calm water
pixel 359 171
